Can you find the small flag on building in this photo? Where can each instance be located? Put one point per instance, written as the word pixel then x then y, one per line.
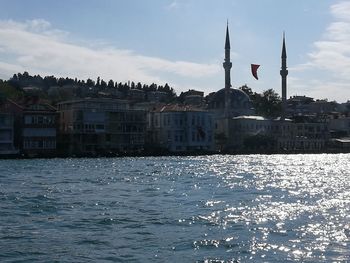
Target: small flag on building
pixel 254 68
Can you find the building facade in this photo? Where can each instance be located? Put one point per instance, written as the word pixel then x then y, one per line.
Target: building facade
pixel 7 146
pixel 34 126
pixel 101 126
pixel 39 129
pixel 181 128
pixel 255 133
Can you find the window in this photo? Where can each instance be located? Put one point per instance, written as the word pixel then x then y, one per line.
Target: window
pixel 169 135
pixel 28 119
pixel 40 119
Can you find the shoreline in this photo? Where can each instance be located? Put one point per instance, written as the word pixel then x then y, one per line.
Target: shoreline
pixel 166 154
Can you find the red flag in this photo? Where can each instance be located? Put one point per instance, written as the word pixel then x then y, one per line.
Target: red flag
pixel 255 70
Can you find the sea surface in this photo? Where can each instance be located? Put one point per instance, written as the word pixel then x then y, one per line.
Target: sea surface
pixel 254 208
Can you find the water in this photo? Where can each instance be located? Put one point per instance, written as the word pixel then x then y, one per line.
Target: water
pixel 257 208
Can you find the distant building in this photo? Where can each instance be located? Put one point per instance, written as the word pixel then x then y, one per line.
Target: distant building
pixel 136 95
pixel 194 100
pixel 156 96
pixel 193 97
pixel 178 128
pixel 298 105
pixel 101 126
pixel 323 107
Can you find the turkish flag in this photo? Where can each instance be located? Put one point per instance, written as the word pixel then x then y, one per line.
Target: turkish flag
pixel 255 70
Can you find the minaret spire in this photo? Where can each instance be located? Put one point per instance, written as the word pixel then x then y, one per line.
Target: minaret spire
pixel 227 42
pixel 284 73
pixel 227 67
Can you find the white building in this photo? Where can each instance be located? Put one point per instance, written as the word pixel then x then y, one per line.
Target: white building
pixel 254 133
pixel 181 128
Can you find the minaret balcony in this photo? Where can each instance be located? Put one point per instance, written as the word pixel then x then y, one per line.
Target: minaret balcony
pixel 227 64
pixel 283 72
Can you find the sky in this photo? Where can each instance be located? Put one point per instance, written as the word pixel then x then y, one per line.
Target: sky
pixel 181 42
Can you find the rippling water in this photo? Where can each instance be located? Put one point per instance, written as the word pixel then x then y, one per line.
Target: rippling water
pixel 256 208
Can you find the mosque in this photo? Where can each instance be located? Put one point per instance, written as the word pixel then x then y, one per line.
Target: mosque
pixel 230 102
pixel 236 124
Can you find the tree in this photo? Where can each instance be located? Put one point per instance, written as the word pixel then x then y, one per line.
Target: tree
pixel 110 84
pixel 103 85
pixel 90 83
pixel 98 82
pixel 10 92
pixel 268 104
pixel 247 90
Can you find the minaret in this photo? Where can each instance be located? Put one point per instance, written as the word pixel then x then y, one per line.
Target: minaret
pixel 227 66
pixel 284 73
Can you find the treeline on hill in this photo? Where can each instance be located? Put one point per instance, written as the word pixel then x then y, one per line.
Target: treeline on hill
pixel 267 103
pixel 59 89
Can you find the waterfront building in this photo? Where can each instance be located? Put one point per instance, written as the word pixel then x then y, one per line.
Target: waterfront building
pixel 101 126
pixel 7 146
pixel 39 128
pixel 256 133
pixel 10 107
pixel 312 133
pixel 178 128
pixel 34 126
pixel 339 126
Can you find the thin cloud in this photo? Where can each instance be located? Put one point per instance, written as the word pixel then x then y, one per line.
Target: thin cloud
pixel 173 5
pixel 331 54
pixel 40 49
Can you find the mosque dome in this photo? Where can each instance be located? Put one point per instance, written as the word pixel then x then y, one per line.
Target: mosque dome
pixel 240 103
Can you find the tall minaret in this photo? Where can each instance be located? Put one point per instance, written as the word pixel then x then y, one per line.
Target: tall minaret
pixel 284 73
pixel 227 66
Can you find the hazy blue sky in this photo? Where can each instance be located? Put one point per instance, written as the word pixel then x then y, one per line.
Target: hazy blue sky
pixel 181 42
